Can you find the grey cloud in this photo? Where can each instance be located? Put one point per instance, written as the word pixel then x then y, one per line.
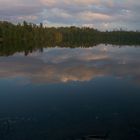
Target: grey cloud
pixel 20 11
pixel 102 13
pixel 121 15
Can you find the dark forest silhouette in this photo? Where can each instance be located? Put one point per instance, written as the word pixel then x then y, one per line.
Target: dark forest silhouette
pixel 28 37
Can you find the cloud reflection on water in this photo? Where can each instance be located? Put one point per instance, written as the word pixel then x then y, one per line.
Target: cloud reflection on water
pixel 81 64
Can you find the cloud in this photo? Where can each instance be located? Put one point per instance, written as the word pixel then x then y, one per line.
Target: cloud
pixel 90 16
pixel 98 13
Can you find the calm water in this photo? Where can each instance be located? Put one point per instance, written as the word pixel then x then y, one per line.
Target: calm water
pixel 64 94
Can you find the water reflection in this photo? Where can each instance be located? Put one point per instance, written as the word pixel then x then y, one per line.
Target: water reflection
pixel 57 65
pixel 64 93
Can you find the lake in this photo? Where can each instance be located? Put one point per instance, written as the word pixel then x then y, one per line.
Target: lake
pixel 67 93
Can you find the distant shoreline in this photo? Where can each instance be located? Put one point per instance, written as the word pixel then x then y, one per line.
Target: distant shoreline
pixel 37 35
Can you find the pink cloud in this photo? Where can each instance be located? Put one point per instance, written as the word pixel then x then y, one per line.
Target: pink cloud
pixel 89 16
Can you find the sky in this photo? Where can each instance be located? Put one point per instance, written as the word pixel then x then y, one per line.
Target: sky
pixel 100 14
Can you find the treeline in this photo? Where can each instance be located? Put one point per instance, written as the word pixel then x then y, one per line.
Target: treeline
pixel 37 34
pixel 31 36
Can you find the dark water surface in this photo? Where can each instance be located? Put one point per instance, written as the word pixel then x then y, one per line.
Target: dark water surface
pixel 64 94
